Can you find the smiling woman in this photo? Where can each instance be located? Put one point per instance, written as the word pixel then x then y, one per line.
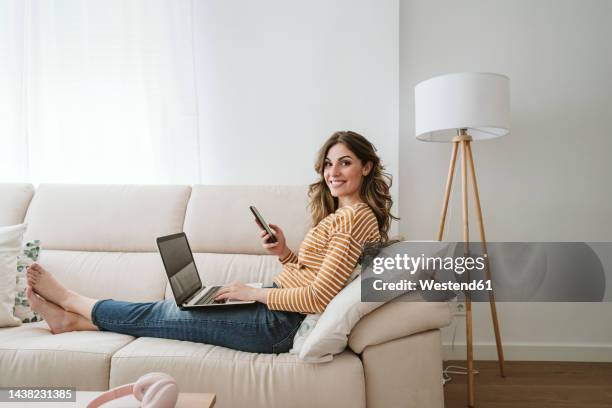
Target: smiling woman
pixel 350 207
pixel 351 170
pixel 343 173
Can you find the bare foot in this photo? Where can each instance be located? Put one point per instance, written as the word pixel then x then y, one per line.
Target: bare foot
pixel 58 319
pixel 45 284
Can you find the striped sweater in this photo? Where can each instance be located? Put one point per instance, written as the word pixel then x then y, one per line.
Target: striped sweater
pixel 326 259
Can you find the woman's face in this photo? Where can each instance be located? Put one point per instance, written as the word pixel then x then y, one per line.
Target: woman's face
pixel 343 173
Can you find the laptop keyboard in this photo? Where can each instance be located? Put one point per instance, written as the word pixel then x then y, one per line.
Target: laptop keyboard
pixel 210 297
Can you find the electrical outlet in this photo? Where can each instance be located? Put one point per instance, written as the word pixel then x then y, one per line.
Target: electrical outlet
pixel 458 308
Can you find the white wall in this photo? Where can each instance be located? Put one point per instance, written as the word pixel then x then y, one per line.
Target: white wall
pixel 549 179
pixel 280 77
pixel 273 79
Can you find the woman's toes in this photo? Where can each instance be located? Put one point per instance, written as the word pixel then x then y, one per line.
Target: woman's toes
pixel 34 300
pixel 58 319
pixel 44 284
pixel 32 272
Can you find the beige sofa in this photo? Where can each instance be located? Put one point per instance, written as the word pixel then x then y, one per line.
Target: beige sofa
pixel 100 240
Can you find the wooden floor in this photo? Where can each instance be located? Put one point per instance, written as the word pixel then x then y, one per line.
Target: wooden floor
pixel 531 384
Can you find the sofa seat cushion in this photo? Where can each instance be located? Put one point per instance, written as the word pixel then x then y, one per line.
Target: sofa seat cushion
pixel 31 356
pixel 241 379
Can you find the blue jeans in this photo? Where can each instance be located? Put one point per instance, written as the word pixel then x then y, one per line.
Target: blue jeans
pixel 251 327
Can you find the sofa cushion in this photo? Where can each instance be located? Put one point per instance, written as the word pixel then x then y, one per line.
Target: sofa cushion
pixel 218 218
pixel 31 356
pixel 123 218
pixel 241 379
pixel 136 276
pixel 14 201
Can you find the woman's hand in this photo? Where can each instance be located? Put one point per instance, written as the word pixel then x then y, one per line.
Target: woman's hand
pixel 240 291
pixel 279 248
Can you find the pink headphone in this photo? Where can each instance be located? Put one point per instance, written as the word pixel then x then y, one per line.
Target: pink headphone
pixel 155 390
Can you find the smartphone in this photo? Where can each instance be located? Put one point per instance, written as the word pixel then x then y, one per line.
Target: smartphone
pixel 263 225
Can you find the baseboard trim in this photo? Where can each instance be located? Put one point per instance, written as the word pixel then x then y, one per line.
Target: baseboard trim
pixel 530 352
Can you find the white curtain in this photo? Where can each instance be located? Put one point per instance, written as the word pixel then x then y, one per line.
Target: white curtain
pixel 98 92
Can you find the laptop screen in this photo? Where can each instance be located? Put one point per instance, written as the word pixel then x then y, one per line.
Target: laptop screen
pixel 180 266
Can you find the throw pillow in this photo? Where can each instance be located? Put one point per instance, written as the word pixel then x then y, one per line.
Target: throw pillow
pixel 308 325
pixel 10 247
pixel 29 255
pixel 330 334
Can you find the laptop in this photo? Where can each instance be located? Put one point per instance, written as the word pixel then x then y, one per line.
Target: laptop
pixel 185 282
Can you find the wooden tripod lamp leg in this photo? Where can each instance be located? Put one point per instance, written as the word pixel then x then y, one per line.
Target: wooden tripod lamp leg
pixel 468 299
pixel 449 184
pixel 498 341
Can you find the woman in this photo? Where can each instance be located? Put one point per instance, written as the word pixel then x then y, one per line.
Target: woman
pixel 350 206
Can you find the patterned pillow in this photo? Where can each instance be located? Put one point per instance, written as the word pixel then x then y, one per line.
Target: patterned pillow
pixel 31 251
pixel 306 327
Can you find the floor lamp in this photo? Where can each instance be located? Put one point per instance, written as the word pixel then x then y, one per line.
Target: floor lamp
pixel 460 108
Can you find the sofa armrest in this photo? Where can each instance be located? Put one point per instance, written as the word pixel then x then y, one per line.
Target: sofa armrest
pixel 397 319
pixel 405 373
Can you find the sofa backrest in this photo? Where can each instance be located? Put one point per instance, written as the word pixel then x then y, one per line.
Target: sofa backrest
pixel 218 219
pixel 14 201
pixel 105 218
pixel 225 239
pixel 100 239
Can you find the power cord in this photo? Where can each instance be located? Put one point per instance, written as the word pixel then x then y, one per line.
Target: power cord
pixel 449 370
pixel 452 369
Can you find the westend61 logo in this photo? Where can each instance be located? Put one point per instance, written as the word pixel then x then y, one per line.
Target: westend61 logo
pixel 411 264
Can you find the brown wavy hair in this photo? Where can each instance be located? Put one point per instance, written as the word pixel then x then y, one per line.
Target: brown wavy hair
pixel 374 188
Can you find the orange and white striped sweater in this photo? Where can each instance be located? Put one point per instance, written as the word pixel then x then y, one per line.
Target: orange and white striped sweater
pixel 326 259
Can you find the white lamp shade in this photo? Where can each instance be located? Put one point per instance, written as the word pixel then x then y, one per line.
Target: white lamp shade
pixel 476 101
